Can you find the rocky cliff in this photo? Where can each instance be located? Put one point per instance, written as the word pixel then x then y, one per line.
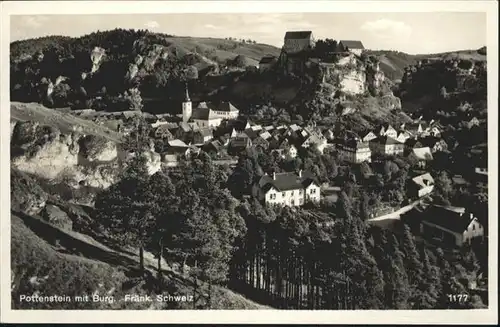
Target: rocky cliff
pixel 73 158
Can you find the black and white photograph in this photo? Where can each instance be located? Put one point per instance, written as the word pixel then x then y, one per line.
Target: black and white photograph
pixel 304 159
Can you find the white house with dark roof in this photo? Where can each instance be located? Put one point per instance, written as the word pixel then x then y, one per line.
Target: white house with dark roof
pixel 353 150
pixel 352 46
pixel 453 226
pixel 386 145
pixel 296 41
pixel 288 189
pixel 313 138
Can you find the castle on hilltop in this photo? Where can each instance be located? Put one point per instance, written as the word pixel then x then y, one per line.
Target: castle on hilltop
pixel 299 49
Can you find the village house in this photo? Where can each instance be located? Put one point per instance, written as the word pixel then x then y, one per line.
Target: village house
pixel 213 148
pixel 282 147
pixel 267 63
pixel 387 130
pixel 434 143
pixel 288 189
pixel 412 143
pixel 422 156
pixel 421 185
pixel 368 136
pixel 239 144
pixel 313 138
pixel 481 178
pixel 403 136
pixel 386 145
pixel 451 226
pixel 202 136
pixel 269 128
pixel 472 122
pixel 163 132
pixel 415 129
pixel 226 110
pixel 354 150
pixel 265 134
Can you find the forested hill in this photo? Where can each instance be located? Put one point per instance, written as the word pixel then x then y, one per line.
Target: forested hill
pixel 95 69
pixel 128 69
pixel 393 63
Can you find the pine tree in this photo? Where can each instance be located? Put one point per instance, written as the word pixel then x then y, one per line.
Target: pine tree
pixel 428 291
pixel 397 287
pixel 125 211
pixel 411 257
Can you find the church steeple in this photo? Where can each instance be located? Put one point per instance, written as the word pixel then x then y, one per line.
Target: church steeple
pixel 187 108
pixel 187 99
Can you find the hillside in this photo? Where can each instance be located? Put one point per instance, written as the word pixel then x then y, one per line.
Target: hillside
pixel 52 259
pixel 393 63
pixel 60 119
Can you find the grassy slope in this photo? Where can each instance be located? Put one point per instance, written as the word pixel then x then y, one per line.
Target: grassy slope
pixel 74 264
pixel 253 51
pixel 59 119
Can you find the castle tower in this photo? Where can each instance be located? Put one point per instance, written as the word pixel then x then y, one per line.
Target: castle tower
pixel 187 107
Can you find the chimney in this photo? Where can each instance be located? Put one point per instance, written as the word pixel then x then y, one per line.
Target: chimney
pixel 471 215
pixel 300 173
pixel 274 175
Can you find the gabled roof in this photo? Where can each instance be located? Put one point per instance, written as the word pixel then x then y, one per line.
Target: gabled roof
pixel 413 143
pixel 267 60
pixel 423 153
pixel 353 143
pixel 386 140
pixel 227 106
pixel 423 180
pixel 452 218
pixel 185 126
pixel 288 181
pixel 204 132
pixel 265 135
pixel 251 133
pixel 351 44
pixel 177 143
pixel 203 114
pixel 294 35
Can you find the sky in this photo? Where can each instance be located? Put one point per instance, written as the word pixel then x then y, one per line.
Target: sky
pixel 410 32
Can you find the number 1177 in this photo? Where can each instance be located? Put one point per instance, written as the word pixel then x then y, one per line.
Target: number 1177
pixel 460 298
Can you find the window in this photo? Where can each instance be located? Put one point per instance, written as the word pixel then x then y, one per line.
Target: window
pixel 283 194
pixel 473 226
pixel 300 192
pixel 273 196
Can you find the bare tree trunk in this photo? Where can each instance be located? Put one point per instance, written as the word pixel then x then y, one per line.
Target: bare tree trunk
pixel 195 288
pixel 160 255
pixel 141 258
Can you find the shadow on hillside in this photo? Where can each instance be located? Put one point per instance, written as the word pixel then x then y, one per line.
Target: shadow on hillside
pixel 68 244
pixel 71 245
